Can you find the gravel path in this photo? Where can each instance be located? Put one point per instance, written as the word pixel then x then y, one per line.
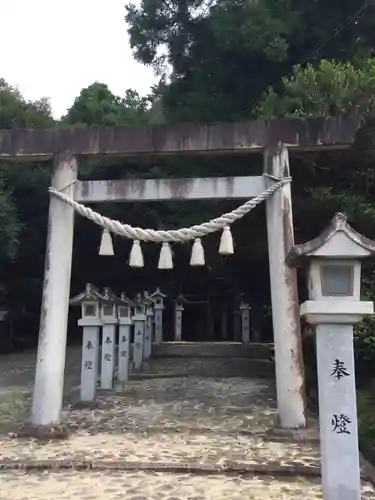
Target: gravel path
pixel 166 421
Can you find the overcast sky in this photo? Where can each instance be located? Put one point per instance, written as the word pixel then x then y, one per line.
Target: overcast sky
pixel 54 48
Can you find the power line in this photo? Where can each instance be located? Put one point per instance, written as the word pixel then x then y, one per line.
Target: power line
pixel 353 17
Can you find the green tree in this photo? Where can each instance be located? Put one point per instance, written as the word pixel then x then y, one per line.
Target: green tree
pixel 97 105
pixel 9 224
pixel 22 191
pixel 223 54
pixel 328 88
pixel 15 111
pixel 344 181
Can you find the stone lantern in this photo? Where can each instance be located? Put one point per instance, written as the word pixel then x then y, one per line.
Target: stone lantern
pixel 178 308
pixel 139 320
pixel 333 262
pixel 90 301
pixel 124 308
pixel 158 299
pixel 110 320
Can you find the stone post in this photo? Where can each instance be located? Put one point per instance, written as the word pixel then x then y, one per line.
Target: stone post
pixel 50 365
pixel 158 299
pixel 334 283
pixel 338 412
pixel 110 320
pixel 147 344
pixel 158 321
pixel 290 387
pixel 139 320
pixel 147 347
pixel 90 358
pixel 178 319
pixel 245 322
pixel 125 322
pixel 124 350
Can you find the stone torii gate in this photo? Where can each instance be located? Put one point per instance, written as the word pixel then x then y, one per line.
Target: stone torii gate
pixel 64 147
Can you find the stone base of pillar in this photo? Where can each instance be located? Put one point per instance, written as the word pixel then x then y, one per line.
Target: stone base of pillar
pixel 44 432
pixel 302 435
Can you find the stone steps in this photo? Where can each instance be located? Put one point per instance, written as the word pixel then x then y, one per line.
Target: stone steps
pixel 204 448
pixel 213 350
pixel 213 359
pixel 208 367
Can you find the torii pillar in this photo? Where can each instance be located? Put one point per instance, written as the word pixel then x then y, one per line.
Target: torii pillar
pixel 49 376
pixel 290 385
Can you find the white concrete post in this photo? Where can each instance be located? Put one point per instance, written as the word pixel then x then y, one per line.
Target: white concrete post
pixel 108 353
pixel 124 313
pixel 178 322
pixel 50 366
pixel 147 344
pixel 338 413
pixel 245 323
pixel 124 350
pixel 284 294
pixel 90 357
pixel 139 327
pixel 158 320
pixel 158 299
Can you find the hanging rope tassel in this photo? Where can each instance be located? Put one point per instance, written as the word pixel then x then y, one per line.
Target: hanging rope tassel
pixel 136 255
pixel 226 242
pixel 197 253
pixel 177 235
pixel 106 245
pixel 165 259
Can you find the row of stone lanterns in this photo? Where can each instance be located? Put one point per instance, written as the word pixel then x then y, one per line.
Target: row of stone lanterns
pixel 106 311
pixel 142 315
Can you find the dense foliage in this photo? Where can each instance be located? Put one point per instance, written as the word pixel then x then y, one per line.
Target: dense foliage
pixel 223 54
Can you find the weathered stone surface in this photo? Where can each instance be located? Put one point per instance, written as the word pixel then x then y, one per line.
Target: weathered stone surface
pixel 297 133
pixel 155 486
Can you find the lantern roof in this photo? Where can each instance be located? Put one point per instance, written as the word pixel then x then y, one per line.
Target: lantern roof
pixel 338 240
pixel 158 294
pixel 124 298
pixel 147 299
pixel 110 297
pixel 90 294
pixel 181 299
